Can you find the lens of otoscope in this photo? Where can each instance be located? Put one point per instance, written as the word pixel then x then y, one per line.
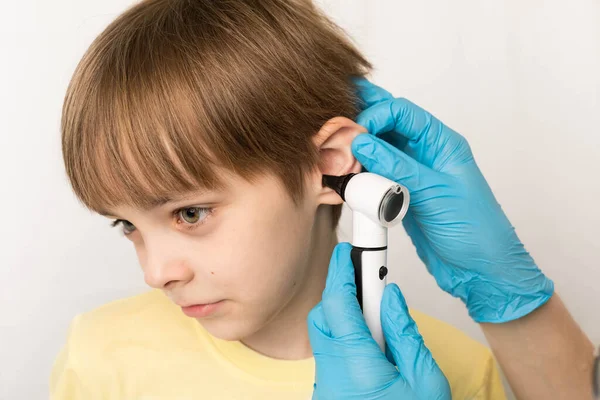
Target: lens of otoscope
pixel 392 204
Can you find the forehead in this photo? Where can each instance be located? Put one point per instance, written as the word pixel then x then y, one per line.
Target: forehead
pixel 263 188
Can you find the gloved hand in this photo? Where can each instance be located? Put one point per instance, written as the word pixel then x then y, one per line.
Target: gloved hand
pixel 349 363
pixel 457 226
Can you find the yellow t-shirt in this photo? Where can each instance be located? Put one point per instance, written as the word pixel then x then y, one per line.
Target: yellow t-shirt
pixel 145 348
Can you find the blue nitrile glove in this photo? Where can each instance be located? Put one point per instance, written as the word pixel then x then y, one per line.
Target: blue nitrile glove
pixel 349 363
pixel 457 226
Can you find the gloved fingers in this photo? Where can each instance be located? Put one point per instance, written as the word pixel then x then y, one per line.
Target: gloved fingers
pixel 340 305
pixel 421 243
pixel 382 158
pixel 317 322
pixel 413 359
pixel 398 141
pixel 324 344
pixel 370 93
pixel 444 274
pixel 426 135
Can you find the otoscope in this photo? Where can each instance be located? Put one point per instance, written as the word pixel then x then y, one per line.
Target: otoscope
pixel 376 203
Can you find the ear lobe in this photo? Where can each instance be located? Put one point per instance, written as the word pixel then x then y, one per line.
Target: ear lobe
pixel 334 141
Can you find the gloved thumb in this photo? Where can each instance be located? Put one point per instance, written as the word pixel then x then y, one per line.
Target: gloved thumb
pixel 340 305
pixel 413 359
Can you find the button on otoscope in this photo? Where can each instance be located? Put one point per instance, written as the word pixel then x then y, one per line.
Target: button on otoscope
pixel 382 272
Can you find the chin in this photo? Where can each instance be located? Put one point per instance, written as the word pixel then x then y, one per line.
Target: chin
pixel 230 330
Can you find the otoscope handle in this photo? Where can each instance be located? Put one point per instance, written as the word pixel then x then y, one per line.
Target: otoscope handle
pixel 370 271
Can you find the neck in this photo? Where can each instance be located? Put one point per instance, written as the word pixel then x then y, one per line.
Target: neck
pixel 294 344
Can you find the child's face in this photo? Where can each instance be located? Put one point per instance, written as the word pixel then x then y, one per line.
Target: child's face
pixel 246 248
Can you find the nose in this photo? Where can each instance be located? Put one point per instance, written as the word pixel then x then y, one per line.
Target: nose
pixel 165 265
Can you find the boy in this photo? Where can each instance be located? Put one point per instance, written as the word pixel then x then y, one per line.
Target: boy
pixel 203 128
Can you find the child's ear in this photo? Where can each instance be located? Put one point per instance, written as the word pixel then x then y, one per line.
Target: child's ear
pixel 334 141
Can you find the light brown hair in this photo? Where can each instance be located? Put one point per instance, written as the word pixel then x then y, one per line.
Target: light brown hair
pixel 173 89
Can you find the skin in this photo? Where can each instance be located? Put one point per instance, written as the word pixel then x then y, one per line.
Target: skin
pixel 544 355
pixel 249 247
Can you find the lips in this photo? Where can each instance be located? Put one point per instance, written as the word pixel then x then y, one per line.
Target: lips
pixel 201 310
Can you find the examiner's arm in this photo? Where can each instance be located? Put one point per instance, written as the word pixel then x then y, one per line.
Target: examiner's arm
pixel 470 247
pixel 544 354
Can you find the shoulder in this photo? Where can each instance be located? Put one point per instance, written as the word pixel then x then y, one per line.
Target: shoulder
pixel 149 319
pixel 127 311
pixel 116 337
pixel 469 365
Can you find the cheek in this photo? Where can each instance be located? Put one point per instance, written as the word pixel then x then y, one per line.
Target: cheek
pixel 268 258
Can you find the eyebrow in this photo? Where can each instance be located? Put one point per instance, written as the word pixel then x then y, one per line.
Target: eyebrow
pixel 158 202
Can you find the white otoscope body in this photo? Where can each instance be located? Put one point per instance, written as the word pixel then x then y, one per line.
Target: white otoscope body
pixel 376 203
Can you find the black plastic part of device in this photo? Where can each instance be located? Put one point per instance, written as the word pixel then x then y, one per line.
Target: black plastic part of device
pixel 393 208
pixel 337 183
pixel 382 272
pixel 356 257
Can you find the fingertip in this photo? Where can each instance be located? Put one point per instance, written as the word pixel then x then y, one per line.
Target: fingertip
pixel 395 295
pixel 317 322
pixel 314 314
pixel 341 255
pixel 342 247
pixel 365 120
pixel 360 81
pixel 363 148
pixel 393 303
pixel 369 92
pixel 396 318
pixel 362 139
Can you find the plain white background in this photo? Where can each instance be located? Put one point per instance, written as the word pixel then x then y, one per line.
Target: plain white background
pixel 519 79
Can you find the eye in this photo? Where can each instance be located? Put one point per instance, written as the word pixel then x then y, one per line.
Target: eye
pixel 190 215
pixel 193 215
pixel 127 227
